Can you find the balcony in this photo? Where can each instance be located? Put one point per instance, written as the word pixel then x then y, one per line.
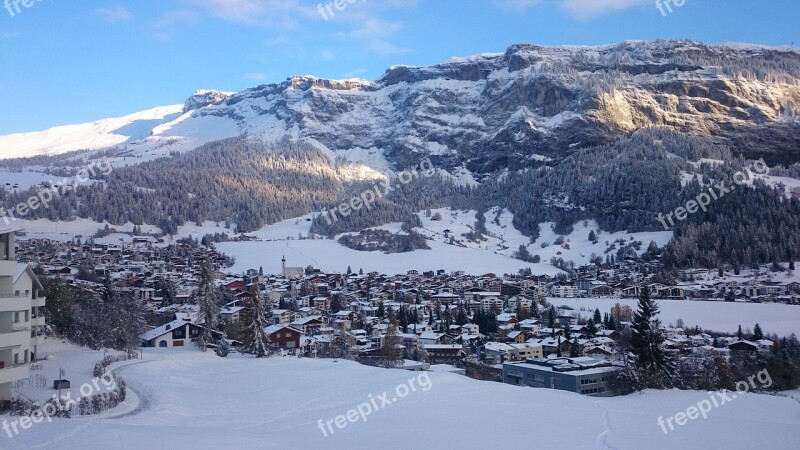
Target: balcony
pixel 16 337
pixel 12 373
pixel 10 303
pixel 38 302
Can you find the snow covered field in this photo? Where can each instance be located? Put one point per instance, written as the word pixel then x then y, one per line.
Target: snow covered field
pixel 331 256
pixel 183 397
pixel 718 316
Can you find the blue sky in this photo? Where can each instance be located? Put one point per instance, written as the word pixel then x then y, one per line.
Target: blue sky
pixel 64 62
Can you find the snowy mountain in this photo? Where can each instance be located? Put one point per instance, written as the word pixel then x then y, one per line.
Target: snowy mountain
pixel 484 113
pixel 531 145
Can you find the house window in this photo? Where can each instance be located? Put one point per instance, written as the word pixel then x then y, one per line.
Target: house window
pixel 162 344
pixel 177 343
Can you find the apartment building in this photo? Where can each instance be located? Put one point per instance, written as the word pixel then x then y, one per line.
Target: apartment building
pixel 21 315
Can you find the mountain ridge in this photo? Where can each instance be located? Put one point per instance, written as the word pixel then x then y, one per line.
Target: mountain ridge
pixel 483 113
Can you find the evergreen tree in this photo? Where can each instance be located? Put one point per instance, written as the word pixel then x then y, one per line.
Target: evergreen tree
pixel 757 333
pixel 381 310
pixel 591 327
pixel 597 318
pixel 739 333
pixel 59 308
pixel 535 310
pixel 574 350
pixel 207 301
pixel 256 339
pixel 462 318
pixel 646 337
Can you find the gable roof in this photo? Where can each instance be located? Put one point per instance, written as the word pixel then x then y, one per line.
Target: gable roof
pixel 163 329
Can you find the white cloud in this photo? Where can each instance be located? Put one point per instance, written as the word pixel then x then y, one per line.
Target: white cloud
pixel 585 9
pixel 113 14
pixel 258 77
pixel 516 5
pixel 374 34
pixel 326 55
pixel 166 25
pixel 582 9
pixel 355 73
pixel 283 14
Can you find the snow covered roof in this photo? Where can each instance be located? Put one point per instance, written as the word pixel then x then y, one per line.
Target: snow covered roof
pixel 163 329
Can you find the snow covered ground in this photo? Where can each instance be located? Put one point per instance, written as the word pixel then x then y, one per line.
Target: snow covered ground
pixel 77 363
pixel 331 256
pixel 183 397
pixel 718 316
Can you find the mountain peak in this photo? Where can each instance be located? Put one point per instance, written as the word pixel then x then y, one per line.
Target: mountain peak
pixel 205 97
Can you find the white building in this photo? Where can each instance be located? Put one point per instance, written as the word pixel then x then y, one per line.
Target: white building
pixel 21 315
pixel 291 272
pixel 564 291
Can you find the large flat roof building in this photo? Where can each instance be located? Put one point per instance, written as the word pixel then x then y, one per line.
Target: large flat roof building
pixel 587 376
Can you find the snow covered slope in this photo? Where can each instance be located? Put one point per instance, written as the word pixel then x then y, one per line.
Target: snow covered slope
pixel 88 136
pixel 179 396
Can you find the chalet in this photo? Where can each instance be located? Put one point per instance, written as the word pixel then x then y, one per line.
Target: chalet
pixel 506 319
pixel 530 325
pixel 284 316
pixel 565 320
pixel 308 325
pixel 669 293
pixel 602 291
pixel 444 353
pixel 744 347
pixel 600 352
pixel 232 314
pixel 496 352
pixel 236 285
pixel 517 337
pixel 426 339
pixel 177 333
pixel 283 337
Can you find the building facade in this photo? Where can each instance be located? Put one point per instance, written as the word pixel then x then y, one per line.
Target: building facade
pixel 587 376
pixel 21 315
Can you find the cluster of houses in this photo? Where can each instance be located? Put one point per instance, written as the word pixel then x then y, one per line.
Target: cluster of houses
pixel 354 308
pixel 140 267
pixel 324 314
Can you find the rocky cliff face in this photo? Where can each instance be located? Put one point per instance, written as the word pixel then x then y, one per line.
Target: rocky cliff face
pixel 516 109
pixel 203 98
